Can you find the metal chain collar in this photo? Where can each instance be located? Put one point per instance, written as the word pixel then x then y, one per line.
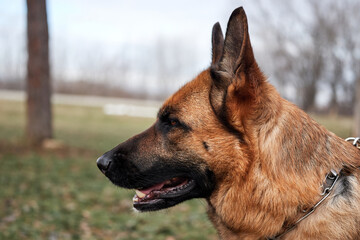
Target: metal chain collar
pixel 328 185
pixel 355 141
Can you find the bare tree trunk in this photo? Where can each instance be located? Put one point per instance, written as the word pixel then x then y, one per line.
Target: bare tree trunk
pixel 39 117
pixel 334 106
pixel 357 109
pixel 309 96
pixel 313 77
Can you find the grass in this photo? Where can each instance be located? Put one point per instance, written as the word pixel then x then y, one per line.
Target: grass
pixel 61 194
pixel 83 127
pixel 341 126
pixel 47 197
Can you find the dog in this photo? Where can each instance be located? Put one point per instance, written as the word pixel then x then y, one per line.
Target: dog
pixel 265 168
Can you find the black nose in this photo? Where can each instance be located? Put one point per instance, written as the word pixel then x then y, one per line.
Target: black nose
pixel 103 163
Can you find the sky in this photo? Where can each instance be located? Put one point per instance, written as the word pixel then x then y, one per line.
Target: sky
pixel 81 30
pixel 113 23
pixel 87 36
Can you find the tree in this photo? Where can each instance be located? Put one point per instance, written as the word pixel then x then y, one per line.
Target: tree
pixel 315 48
pixel 38 87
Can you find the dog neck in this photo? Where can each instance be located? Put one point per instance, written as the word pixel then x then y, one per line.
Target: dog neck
pixel 288 141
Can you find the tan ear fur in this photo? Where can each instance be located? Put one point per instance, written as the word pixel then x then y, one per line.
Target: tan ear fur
pixel 237 69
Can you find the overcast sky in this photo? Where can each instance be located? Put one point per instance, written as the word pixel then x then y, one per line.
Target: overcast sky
pixel 81 30
pixel 112 23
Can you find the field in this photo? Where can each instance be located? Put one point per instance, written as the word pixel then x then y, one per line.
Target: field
pixel 60 194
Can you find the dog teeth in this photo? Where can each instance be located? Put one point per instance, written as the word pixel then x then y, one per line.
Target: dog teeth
pixel 135 198
pixel 140 194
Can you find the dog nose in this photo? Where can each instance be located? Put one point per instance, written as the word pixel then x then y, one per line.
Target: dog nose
pixel 103 163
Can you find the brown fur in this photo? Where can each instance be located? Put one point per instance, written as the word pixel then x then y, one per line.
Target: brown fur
pixel 269 158
pixel 264 182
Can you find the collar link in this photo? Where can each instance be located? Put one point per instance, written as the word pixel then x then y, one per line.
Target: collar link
pixel 328 185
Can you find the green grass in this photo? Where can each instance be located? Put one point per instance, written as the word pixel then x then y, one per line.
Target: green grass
pixel 68 198
pixel 61 194
pixel 341 126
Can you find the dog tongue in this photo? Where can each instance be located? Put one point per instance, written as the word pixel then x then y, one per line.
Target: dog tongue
pixel 155 187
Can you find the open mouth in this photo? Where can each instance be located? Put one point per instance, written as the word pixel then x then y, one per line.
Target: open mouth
pixel 162 194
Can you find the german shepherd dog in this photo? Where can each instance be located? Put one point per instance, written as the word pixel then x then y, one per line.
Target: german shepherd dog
pixel 262 164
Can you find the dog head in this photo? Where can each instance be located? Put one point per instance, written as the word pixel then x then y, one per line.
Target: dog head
pixel 201 138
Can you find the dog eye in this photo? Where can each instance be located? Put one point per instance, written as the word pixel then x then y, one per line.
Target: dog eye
pixel 169 122
pixel 173 122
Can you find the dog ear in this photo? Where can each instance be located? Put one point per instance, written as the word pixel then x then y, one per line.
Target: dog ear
pixel 217 41
pixel 237 69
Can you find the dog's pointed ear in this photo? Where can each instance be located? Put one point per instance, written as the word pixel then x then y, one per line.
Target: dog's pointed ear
pixel 217 41
pixel 238 54
pixel 237 66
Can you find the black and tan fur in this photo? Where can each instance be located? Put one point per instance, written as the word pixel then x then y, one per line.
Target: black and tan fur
pixel 256 158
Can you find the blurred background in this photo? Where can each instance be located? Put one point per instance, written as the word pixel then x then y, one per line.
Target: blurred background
pixel 77 77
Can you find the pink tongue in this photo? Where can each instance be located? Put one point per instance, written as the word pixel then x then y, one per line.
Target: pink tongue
pixel 155 187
